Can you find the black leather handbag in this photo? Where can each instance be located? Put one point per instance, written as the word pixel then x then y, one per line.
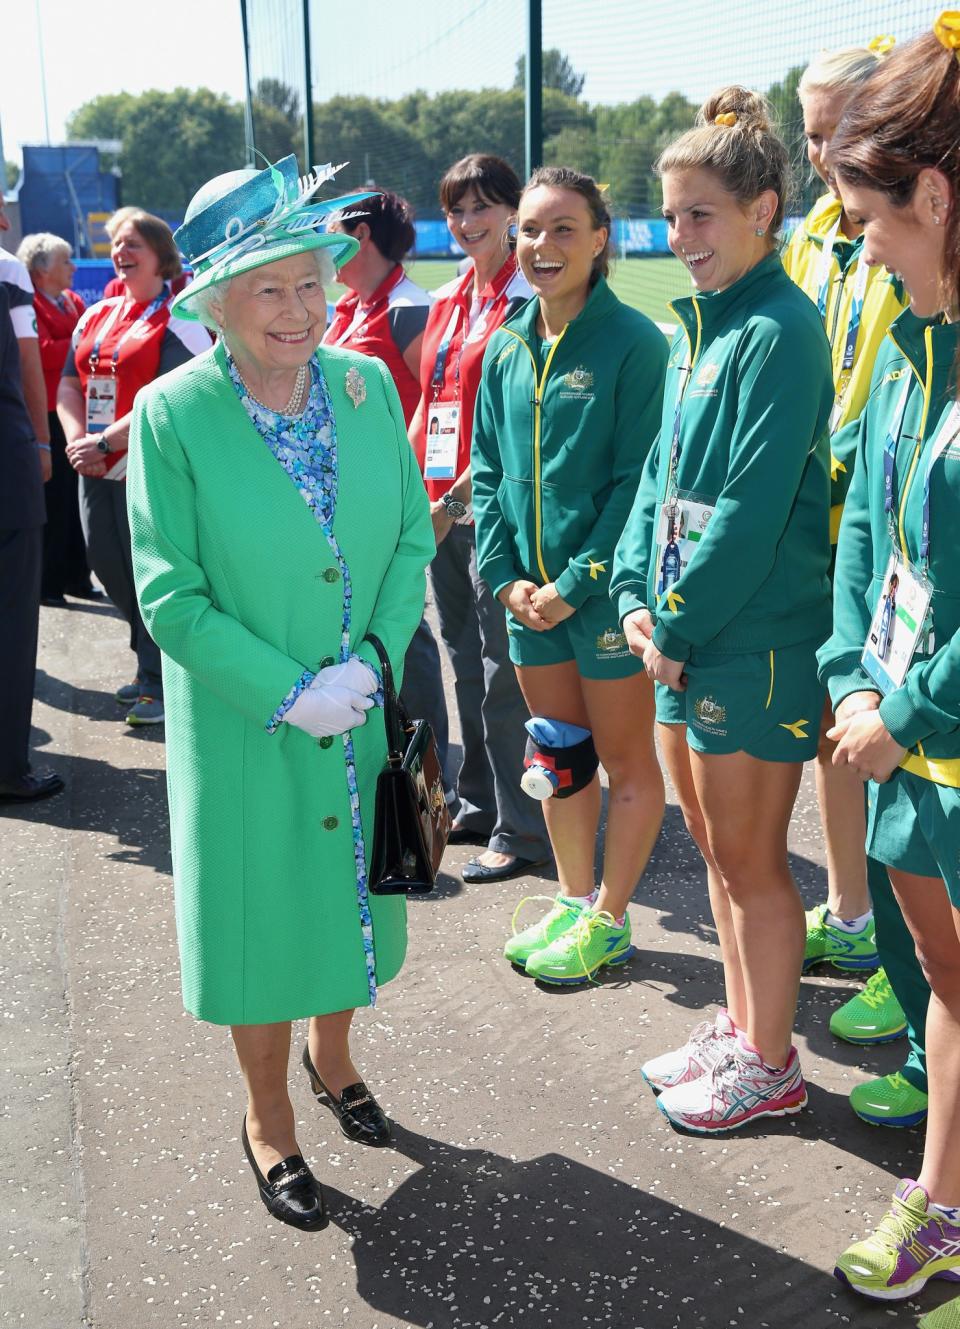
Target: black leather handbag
pixel 411 820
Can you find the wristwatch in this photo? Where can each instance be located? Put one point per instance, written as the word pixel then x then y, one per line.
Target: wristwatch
pixel 102 444
pixel 455 509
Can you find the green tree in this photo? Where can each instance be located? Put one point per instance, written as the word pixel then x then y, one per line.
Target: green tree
pixel 12 174
pixel 558 73
pixel 172 141
pixel 277 120
pixel 789 119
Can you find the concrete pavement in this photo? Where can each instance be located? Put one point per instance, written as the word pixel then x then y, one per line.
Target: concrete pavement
pixel 533 1182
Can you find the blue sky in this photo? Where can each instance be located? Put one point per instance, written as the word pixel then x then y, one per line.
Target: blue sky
pixel 625 47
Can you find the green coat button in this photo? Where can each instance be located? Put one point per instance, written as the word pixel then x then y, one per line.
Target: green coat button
pixel 331 575
pixel 330 823
pixel 327 661
pixel 324 742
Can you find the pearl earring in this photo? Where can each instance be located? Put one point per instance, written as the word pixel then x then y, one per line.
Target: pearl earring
pixel 759 232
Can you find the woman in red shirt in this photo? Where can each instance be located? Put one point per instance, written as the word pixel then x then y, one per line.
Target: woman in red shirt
pixel 49 261
pixel 479 195
pixel 119 345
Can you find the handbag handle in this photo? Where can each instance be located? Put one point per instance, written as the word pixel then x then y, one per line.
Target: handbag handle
pixel 393 717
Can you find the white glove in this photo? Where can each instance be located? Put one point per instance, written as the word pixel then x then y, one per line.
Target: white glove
pixel 356 675
pixel 325 711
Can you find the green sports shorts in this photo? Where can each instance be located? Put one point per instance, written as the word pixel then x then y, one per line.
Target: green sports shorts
pixel 591 636
pixel 765 703
pixel 914 824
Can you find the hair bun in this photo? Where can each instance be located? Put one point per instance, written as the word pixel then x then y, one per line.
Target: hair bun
pixel 750 110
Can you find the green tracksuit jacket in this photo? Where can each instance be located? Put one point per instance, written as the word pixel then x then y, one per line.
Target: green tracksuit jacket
pixel 924 713
pixel 754 445
pixel 560 437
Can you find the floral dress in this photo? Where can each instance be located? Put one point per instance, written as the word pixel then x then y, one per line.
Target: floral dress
pixel 306 448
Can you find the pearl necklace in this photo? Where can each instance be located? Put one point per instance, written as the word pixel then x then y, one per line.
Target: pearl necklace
pixel 293 406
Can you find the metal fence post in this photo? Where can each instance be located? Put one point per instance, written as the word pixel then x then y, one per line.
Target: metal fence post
pixel 307 92
pixel 533 93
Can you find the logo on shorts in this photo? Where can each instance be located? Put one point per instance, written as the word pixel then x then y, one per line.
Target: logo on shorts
pixel 709 712
pixel 579 379
pixel 798 728
pixel 610 641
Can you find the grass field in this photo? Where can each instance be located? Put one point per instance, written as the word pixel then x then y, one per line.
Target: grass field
pixel 645 283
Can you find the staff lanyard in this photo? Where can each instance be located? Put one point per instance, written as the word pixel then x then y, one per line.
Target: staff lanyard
pixel 107 328
pixel 443 350
pixel 948 432
pixel 850 340
pixel 824 266
pixel 675 449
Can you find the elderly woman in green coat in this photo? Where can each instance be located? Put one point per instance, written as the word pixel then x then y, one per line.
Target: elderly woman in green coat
pixel 277 517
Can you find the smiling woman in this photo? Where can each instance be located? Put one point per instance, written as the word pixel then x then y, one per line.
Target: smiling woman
pixel 722 582
pixel 253 476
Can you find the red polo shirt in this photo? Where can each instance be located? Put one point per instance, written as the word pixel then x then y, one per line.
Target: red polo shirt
pixel 471 322
pixel 384 326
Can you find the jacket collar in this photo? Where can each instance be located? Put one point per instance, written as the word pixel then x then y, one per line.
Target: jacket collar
pixel 909 334
pixel 600 302
pixel 711 310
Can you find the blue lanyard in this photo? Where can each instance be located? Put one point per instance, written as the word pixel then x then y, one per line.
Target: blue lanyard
pixel 443 351
pixel 107 327
pixel 675 448
pixel 945 436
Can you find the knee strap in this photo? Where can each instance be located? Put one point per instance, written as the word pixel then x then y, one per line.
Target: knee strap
pixel 574 766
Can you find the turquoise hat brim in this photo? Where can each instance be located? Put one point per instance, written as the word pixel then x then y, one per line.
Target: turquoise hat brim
pixel 343 248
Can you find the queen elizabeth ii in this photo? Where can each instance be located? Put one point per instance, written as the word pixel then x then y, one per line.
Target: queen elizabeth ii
pixel 277 518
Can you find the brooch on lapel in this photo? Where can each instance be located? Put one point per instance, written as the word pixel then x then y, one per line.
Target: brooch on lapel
pixel 356 387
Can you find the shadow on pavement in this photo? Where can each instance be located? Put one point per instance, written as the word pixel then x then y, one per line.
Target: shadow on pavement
pixel 474 1240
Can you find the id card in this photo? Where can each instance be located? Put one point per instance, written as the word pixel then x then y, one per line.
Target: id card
pixel 101 404
pixel 680 529
pixel 896 626
pixel 443 441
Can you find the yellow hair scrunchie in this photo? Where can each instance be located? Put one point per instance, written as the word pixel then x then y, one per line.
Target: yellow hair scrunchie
pixel 947 30
pixel 728 118
pixel 881 46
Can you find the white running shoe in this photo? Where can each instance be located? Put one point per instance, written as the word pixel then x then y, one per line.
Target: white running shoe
pixel 701 1052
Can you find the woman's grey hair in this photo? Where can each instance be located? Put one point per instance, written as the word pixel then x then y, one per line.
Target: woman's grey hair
pixel 36 251
pixel 207 301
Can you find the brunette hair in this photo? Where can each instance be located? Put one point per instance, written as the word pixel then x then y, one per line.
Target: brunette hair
pixel 905 118
pixel 565 177
pixel 492 177
pixel 156 233
pixel 734 138
pixel 390 219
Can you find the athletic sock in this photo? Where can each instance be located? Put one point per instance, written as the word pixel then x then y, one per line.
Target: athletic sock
pixel 585 900
pixel 849 924
pixel 950 1212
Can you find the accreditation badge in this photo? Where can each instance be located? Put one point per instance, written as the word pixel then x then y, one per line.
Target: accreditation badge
pixel 681 526
pixel 101 403
pixel 443 441
pixel 897 624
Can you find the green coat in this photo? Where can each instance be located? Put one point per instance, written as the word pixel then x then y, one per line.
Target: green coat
pixel 241 592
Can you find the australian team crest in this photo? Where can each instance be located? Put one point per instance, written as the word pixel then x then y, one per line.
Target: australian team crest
pixel 611 640
pixel 579 379
pixel 707 374
pixel 709 712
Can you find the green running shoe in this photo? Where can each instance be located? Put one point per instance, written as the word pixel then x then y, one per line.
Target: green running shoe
pixel 890 1101
pixel 580 951
pixel 910 1246
pixel 872 1016
pixel 844 950
pixel 946 1316
pixel 562 916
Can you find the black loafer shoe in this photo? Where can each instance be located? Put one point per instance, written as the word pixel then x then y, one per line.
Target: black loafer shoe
pixel 517 867
pixel 290 1191
pixel 360 1116
pixel 31 787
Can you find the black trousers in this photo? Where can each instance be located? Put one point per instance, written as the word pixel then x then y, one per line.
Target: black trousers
pixel 65 567
pixel 21 556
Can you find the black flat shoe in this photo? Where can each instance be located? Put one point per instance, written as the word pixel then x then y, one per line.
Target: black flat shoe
pixel 360 1116
pixel 290 1191
pixel 31 787
pixel 517 867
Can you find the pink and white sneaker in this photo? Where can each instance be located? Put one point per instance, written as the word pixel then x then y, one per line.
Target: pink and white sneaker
pixel 737 1089
pixel 699 1054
